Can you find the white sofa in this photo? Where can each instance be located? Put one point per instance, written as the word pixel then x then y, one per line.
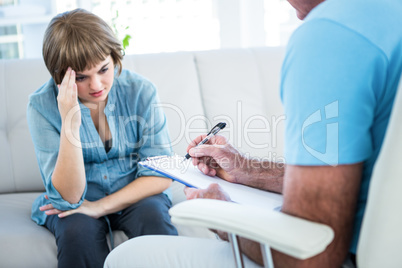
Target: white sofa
pixel 197 89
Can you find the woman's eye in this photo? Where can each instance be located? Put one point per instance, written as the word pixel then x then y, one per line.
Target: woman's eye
pixel 104 70
pixel 79 79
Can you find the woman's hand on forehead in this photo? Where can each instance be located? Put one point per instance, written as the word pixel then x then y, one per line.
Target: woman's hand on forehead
pixel 68 101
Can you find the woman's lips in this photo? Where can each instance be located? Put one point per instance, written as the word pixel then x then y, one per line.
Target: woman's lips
pixel 97 94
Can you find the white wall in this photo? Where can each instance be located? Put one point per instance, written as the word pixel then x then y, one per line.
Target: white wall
pixel 241 23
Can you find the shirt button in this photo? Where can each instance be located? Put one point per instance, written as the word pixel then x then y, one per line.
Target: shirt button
pixel 105 177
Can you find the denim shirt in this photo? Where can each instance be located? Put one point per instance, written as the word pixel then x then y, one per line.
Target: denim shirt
pixel 136 122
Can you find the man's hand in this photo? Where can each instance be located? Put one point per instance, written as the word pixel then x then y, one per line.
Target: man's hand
pixel 218 157
pixel 214 191
pixel 91 209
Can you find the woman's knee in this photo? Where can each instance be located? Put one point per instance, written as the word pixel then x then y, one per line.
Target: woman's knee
pixel 81 240
pixel 152 217
pixel 80 229
pixel 152 207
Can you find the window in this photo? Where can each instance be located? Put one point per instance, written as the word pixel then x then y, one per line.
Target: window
pixel 10 38
pixel 155 26
pixel 10 42
pixel 22 25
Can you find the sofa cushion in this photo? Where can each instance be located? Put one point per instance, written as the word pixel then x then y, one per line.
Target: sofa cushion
pixel 22 241
pixel 6 172
pixel 232 92
pixel 268 62
pixel 175 77
pixel 25 171
pixel 20 234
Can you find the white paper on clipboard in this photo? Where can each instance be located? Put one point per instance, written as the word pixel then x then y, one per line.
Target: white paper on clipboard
pixel 184 172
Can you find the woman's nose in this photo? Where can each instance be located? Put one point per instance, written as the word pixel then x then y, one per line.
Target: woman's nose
pixel 95 83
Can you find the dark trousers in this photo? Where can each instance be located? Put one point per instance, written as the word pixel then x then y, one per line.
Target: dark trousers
pixel 81 240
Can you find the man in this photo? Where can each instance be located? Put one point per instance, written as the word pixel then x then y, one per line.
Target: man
pixel 339 79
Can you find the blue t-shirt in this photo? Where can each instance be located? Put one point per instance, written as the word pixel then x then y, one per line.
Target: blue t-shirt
pixel 339 80
pixel 136 122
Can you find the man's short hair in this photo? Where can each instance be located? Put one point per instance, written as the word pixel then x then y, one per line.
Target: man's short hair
pixel 79 39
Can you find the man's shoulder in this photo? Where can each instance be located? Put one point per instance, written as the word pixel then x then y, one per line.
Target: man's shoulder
pixel 357 16
pixel 347 11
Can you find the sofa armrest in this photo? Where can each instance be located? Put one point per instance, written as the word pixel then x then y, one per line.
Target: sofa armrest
pixel 291 235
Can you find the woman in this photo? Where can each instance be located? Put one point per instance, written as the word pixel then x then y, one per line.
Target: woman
pixel 91 124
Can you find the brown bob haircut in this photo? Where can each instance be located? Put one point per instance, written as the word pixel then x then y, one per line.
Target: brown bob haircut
pixel 79 39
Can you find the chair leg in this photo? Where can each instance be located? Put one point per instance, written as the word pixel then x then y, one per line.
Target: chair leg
pixel 236 250
pixel 267 256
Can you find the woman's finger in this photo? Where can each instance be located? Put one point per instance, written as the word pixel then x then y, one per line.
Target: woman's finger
pixel 64 82
pixel 74 92
pixel 67 213
pixel 53 212
pixel 71 83
pixel 46 207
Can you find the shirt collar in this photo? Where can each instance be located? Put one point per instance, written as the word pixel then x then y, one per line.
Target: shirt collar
pixel 111 100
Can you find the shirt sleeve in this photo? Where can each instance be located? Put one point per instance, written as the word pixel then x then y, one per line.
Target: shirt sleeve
pixel 154 132
pixel 46 140
pixel 331 82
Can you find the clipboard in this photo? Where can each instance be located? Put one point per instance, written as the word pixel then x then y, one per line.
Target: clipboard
pixel 184 172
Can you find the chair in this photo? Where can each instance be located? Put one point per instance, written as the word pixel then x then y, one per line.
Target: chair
pixel 381 235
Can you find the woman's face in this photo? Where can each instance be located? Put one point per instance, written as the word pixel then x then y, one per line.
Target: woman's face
pixel 93 85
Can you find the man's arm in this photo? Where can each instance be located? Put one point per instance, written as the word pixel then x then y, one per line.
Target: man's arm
pixel 321 194
pixel 264 175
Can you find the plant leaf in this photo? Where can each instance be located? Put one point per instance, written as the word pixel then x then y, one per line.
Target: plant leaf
pixel 126 41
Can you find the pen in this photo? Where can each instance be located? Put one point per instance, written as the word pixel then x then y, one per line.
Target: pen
pixel 210 134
